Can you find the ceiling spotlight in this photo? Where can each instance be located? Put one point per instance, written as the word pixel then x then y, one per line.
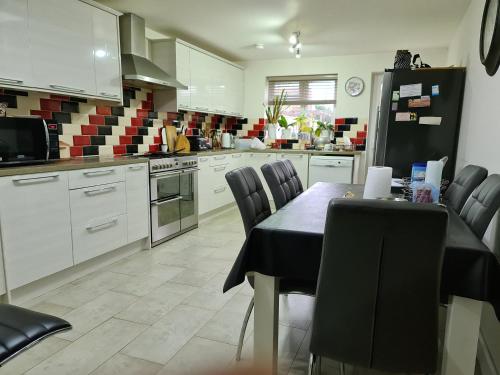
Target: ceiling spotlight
pixel 294 38
pixel 291 49
pixel 298 45
pixel 259 46
pixel 297 55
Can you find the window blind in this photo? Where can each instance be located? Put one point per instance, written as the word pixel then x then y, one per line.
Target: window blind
pixel 304 90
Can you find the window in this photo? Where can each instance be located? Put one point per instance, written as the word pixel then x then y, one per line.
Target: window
pixel 314 96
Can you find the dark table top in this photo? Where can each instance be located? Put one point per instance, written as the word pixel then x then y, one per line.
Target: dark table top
pixel 288 244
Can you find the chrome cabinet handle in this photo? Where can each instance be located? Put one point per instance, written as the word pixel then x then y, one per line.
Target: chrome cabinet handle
pixel 166 174
pixel 190 170
pixel 34 180
pixel 100 191
pixel 236 156
pixel 10 80
pixel 109 95
pixel 98 173
pixel 135 167
pixel 220 190
pixel 103 225
pixel 219 157
pixel 203 159
pixel 218 169
pixel 202 108
pixel 66 88
pixel 161 203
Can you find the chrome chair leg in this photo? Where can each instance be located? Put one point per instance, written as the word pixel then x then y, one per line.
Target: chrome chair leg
pixel 342 368
pixel 314 365
pixel 243 329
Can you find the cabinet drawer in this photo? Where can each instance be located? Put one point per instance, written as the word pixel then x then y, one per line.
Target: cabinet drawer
pixel 221 195
pixel 97 202
pixel 98 236
pixel 219 159
pixel 95 176
pixel 218 175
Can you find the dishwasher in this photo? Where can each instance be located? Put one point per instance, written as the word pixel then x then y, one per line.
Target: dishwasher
pixel 330 169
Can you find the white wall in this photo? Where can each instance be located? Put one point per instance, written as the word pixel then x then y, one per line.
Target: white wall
pixel 362 66
pixel 479 139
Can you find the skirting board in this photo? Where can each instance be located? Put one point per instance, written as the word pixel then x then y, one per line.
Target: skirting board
pixel 485 359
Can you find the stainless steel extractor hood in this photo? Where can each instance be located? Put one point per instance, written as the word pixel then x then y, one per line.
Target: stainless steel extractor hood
pixel 137 70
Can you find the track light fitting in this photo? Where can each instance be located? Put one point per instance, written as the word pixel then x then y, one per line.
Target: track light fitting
pixel 295 45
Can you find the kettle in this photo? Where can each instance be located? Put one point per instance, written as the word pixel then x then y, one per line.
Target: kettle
pixel 227 140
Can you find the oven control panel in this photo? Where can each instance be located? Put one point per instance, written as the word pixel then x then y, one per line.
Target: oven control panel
pixel 173 163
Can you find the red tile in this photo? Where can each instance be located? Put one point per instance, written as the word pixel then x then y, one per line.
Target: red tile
pixel 189 131
pixel 103 110
pixel 46 115
pixel 259 127
pixel 50 105
pixel 147 105
pixel 262 121
pixel 125 139
pixel 159 131
pixel 172 115
pixel 149 96
pixel 59 97
pixel 81 140
pixel 191 124
pixel 136 121
pixel 154 148
pixel 157 140
pixel 96 119
pixel 75 151
pixel 366 127
pixel 142 113
pixel 339 121
pixel 361 134
pixel 89 129
pixel 122 149
pixel 131 130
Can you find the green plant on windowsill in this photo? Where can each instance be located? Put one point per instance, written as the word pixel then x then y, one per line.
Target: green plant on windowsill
pixel 303 124
pixel 283 123
pixel 322 126
pixel 273 112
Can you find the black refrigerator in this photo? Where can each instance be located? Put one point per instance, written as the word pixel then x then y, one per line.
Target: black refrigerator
pixel 419 118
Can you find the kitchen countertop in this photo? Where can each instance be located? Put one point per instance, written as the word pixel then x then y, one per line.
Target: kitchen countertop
pixel 273 150
pixel 72 164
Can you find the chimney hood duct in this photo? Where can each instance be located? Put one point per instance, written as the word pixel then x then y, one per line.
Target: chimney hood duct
pixel 137 70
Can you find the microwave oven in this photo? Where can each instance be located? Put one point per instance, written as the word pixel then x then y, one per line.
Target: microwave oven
pixel 27 140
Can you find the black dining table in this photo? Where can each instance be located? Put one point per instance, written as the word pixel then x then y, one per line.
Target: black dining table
pixel 288 244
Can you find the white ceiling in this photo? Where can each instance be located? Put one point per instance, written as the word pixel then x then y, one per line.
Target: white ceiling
pixel 231 28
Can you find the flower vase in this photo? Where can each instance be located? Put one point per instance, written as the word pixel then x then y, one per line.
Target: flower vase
pixel 272 131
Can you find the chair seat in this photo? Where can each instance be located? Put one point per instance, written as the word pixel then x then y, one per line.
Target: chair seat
pixel 20 328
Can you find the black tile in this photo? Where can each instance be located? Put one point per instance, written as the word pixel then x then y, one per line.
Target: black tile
pixel 118 111
pixel 351 120
pixel 286 146
pixel 111 120
pixel 153 114
pixel 126 102
pixel 90 150
pixel 344 128
pixel 217 126
pixel 132 149
pixel 15 92
pixel 137 139
pixel 62 117
pixel 360 147
pixel 242 121
pixel 338 134
pixel 292 141
pixel 147 122
pixel 142 130
pixel 98 140
pixel 105 130
pixel 238 126
pixel 11 100
pixel 79 100
pixel 262 134
pixel 73 107
pixel 128 93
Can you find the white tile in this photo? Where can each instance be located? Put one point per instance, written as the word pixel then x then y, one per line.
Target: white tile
pixel 72 129
pixel 193 277
pixel 89 352
pixel 124 121
pixel 51 308
pixel 118 130
pixel 113 140
pixel 225 326
pixel 106 150
pixel 121 364
pixel 79 118
pixel 130 112
pixel 210 296
pixel 162 340
pixel 142 148
pixel 87 108
pixel 140 285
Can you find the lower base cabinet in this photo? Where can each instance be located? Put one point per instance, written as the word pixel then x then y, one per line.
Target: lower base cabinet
pixel 136 179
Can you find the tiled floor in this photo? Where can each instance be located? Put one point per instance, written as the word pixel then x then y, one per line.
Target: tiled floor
pixel 163 312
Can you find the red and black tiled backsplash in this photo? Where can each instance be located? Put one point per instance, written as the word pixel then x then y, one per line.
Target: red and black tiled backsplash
pixel 88 128
pixel 352 128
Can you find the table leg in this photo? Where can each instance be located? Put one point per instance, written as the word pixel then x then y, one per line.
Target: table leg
pixel 266 313
pixel 461 336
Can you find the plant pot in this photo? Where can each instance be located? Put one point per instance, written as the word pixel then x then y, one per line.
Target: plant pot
pixel 286 133
pixel 272 131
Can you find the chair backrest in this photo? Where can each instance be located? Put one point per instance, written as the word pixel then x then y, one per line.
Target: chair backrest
pixel 377 297
pixel 283 181
pixel 463 185
pixel 482 205
pixel 249 195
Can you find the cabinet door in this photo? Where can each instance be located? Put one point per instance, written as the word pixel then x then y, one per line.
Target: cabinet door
pixel 137 181
pixel 3 289
pixel 257 160
pixel 61 43
pixel 200 81
pixel 183 74
pixel 301 164
pixel 107 55
pixel 15 56
pixel 205 203
pixel 36 231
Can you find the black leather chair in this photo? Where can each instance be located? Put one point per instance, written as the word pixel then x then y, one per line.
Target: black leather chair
pixel 20 329
pixel 283 181
pixel 254 207
pixel 482 205
pixel 463 185
pixel 378 292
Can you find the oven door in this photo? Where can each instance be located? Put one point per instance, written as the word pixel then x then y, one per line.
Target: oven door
pixel 165 219
pixel 165 185
pixel 189 198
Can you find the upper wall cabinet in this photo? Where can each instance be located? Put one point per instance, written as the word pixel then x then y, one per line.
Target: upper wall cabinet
pixel 215 85
pixel 61 46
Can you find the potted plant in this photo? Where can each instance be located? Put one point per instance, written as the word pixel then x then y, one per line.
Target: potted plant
pixel 273 114
pixel 322 133
pixel 286 131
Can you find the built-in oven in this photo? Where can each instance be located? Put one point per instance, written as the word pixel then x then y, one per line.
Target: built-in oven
pixel 174 203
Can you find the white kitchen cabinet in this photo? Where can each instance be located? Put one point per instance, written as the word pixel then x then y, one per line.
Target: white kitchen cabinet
pixel 35 222
pixel 257 160
pixel 95 176
pixel 61 44
pixel 183 74
pixel 301 164
pixel 136 180
pixel 234 90
pixel 3 289
pixel 107 55
pixel 15 66
pixel 201 80
pixel 205 203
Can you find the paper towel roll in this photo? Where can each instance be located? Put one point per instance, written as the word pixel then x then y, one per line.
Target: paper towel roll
pixel 434 172
pixel 378 183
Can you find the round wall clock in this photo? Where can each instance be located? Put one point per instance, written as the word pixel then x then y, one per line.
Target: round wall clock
pixel 354 86
pixel 489 43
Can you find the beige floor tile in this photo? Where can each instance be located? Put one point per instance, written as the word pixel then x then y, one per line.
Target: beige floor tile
pixel 225 327
pixel 296 310
pixel 92 314
pixel 193 277
pixel 210 296
pixel 160 342
pixel 35 355
pixel 142 264
pixel 90 351
pixel 121 364
pixel 51 308
pixel 199 356
pixel 184 258
pixel 140 285
pixel 238 303
pixel 153 306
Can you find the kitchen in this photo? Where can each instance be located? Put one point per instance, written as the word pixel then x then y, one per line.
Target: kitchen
pixel 115 174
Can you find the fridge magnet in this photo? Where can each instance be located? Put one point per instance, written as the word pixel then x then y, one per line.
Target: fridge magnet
pixel 435 90
pixel 413 116
pixel 403 116
pixel 407 91
pixel 424 101
pixel 430 120
pixel 395 96
pixel 394 106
